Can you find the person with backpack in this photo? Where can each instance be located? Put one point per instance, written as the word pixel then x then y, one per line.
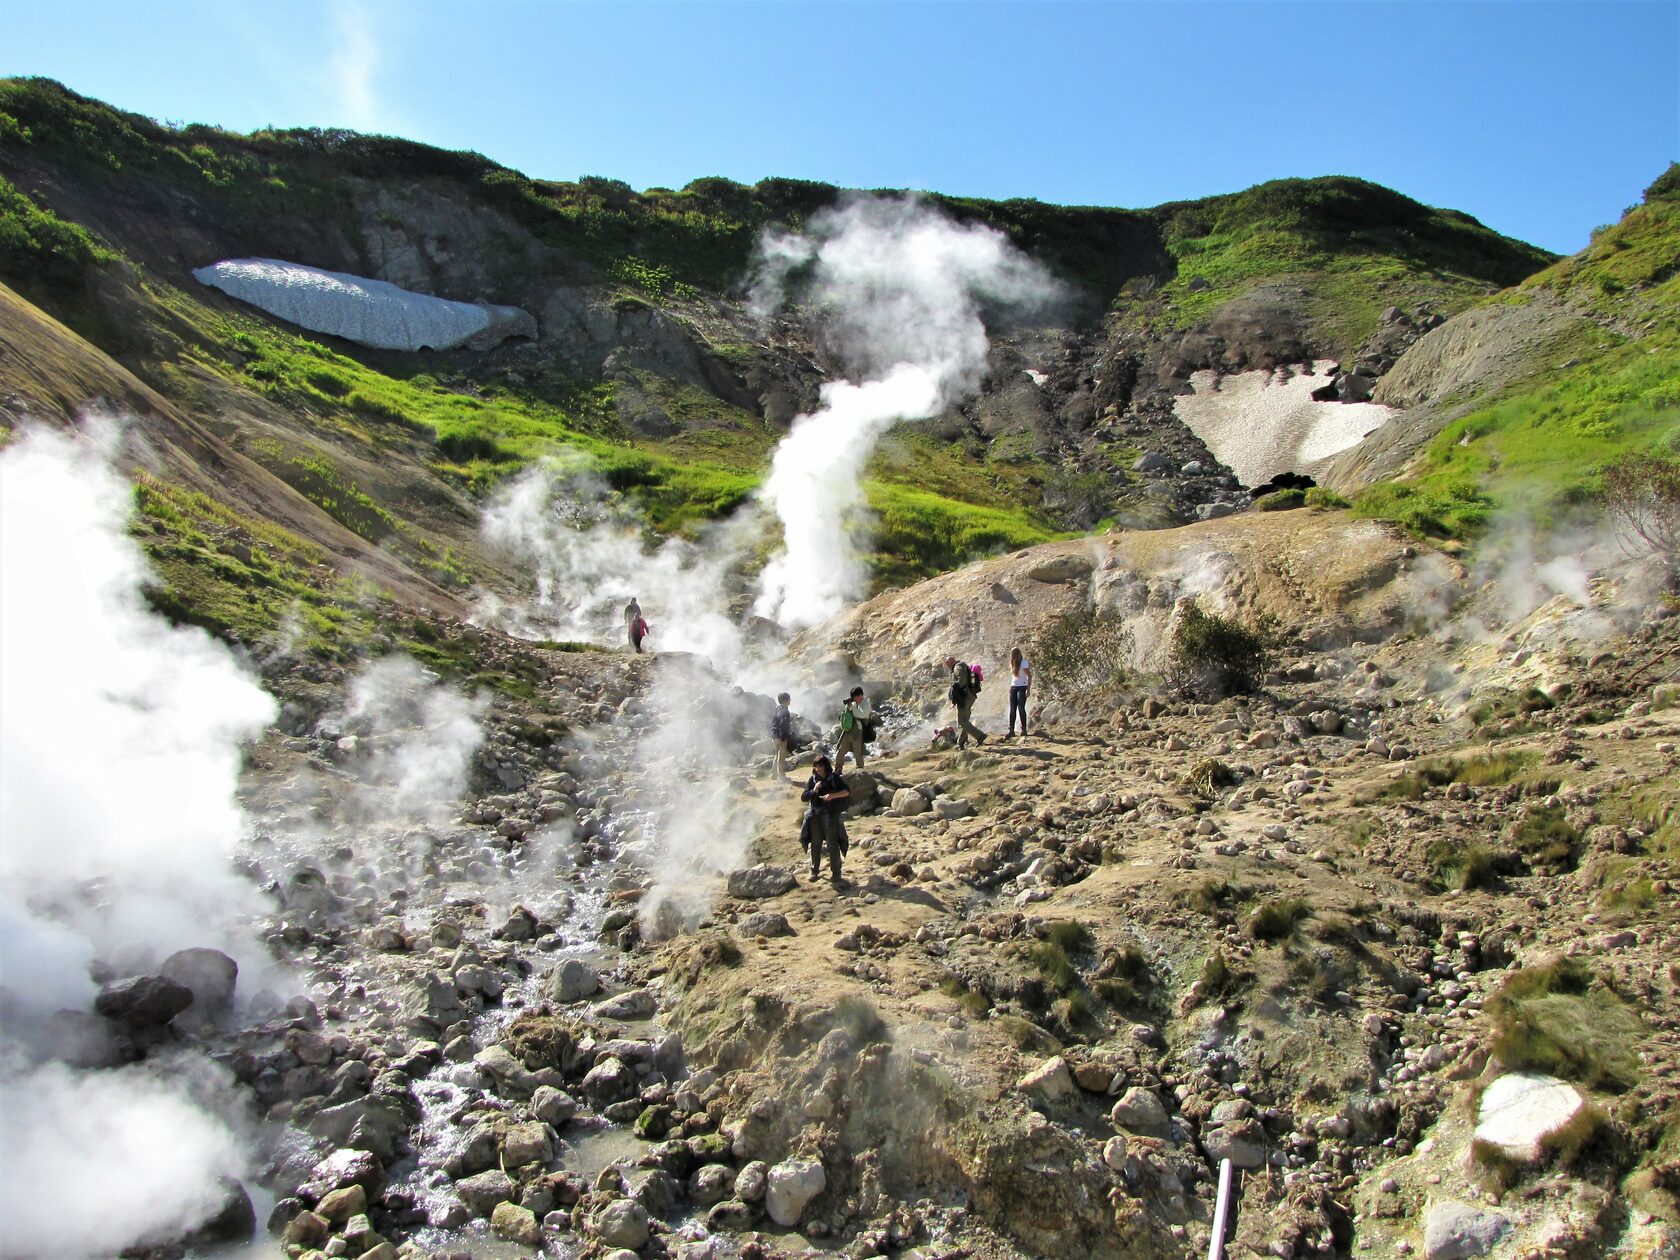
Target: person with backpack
pixel 826 793
pixel 781 732
pixel 638 632
pixel 1020 679
pixel 854 733
pixel 965 687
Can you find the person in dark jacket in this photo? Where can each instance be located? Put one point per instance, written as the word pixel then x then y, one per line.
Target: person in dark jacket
pixel 781 732
pixel 827 794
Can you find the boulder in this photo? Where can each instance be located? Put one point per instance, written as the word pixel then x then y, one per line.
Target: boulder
pixel 572 981
pixel 621 1223
pixel 430 1004
pixel 1097 1078
pixel 610 1080
pixel 1458 1231
pixel 509 1074
pixel 792 1185
pixel 907 803
pixel 482 1193
pixel 1140 1111
pixel 553 1106
pixel 344 1168
pixel 342 1204
pixel 209 973
pixel 523 1144
pixel 516 1224
pixel 952 807
pixel 1522 1113
pixel 764 923
pixel 1061 569
pixel 1242 1142
pixel 756 882
pixel 143 1001
pixel 1152 462
pixel 629 1005
pixel 752 1181
pixel 232 1220
pixel 84 1040
pixel 1049 1081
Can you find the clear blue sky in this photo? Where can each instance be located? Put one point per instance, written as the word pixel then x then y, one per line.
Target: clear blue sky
pixel 1541 119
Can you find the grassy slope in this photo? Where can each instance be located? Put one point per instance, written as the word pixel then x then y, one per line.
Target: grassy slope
pixel 1538 450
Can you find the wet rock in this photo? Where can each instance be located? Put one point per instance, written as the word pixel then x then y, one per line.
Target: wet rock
pixel 516 1224
pixel 711 1183
pixel 655 1189
pixel 632 1005
pixel 234 1220
pixel 731 1217
pixel 764 923
pixel 553 1106
pixel 306 1229
pixel 792 1185
pixel 210 974
pixel 1063 569
pixel 483 1192
pixel 478 1153
pixel 342 1204
pixel 1458 1231
pixel 344 1168
pixel 431 1004
pixel 756 882
pixel 611 1080
pixel 527 1144
pixel 752 1181
pixel 143 1001
pixel 1140 1111
pixel 572 981
pixel 510 1075
pixel 621 1223
pixel 479 979
pixel 1521 1113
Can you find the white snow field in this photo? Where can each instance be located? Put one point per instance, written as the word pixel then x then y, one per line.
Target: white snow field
pixel 369 312
pixel 1260 424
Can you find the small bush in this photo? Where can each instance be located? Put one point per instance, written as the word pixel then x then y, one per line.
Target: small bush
pixel 1463 867
pixel 1276 920
pixel 1054 965
pixel 1213 895
pixel 971 1002
pixel 1642 494
pixel 1508 706
pixel 1281 500
pixel 1323 498
pixel 1081 654
pixel 1212 655
pixel 1070 936
pixel 1218 979
pixel 1544 835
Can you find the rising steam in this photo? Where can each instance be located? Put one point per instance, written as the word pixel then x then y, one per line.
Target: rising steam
pixel 901 289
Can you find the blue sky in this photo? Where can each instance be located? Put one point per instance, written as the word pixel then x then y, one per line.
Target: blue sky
pixel 1541 119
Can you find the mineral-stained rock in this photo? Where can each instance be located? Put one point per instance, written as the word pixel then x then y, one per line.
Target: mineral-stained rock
pixel 527 1144
pixel 483 1192
pixel 793 1184
pixel 621 1223
pixel 143 1001
pixel 1458 1231
pixel 752 1181
pixel 610 1080
pixel 516 1224
pixel 553 1106
pixel 1241 1142
pixel 431 1004
pixel 342 1204
pixel 711 1183
pixel 509 1074
pixel 306 1229
pixel 754 882
pixel 1521 1112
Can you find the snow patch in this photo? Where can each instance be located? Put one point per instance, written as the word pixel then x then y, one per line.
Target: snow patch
pixel 1260 424
pixel 369 312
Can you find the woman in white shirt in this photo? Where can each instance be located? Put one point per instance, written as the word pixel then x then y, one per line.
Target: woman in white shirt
pixel 1020 678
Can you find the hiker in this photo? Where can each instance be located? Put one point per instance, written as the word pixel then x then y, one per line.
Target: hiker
pixel 632 613
pixel 854 729
pixel 826 792
pixel 781 732
pixel 638 631
pixel 964 688
pixel 1020 678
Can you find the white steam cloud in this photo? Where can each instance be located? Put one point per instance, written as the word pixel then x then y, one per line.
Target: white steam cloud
pixel 119 758
pixel 901 290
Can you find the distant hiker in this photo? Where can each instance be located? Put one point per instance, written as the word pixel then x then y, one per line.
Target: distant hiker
pixel 632 613
pixel 854 729
pixel 1020 678
pixel 781 731
pixel 964 688
pixel 638 632
pixel 826 793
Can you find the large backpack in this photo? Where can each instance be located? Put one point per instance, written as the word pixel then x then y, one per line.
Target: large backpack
pixel 963 684
pixel 848 719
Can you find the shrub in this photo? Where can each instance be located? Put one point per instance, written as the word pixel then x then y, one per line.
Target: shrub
pixel 1562 1019
pixel 1546 836
pixel 1463 866
pixel 1276 920
pixel 1081 654
pixel 1281 500
pixel 1642 495
pixel 1322 497
pixel 1211 655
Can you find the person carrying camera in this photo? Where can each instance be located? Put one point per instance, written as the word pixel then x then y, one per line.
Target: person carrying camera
pixel 827 793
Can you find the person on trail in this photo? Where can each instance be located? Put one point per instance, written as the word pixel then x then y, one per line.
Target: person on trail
pixel 781 732
pixel 1020 678
pixel 632 612
pixel 826 793
pixel 964 688
pixel 854 718
pixel 638 631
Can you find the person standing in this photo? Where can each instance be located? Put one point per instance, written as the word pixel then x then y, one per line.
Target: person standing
pixel 1020 678
pixel 634 626
pixel 781 732
pixel 854 717
pixel 826 792
pixel 963 691
pixel 638 632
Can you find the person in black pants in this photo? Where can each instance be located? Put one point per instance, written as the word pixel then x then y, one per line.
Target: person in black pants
pixel 1020 678
pixel 827 793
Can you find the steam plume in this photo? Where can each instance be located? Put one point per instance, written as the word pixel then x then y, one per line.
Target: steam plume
pixel 901 290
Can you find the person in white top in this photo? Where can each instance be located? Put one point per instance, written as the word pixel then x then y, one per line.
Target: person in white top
pixel 1020 678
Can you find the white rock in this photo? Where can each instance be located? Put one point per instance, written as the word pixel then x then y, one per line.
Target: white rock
pixel 1049 1080
pixel 1458 1231
pixel 952 807
pixel 907 802
pixel 793 1184
pixel 1521 1111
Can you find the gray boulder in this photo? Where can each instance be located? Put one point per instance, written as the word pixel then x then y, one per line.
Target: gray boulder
pixel 483 1192
pixel 621 1223
pixel 143 1001
pixel 572 981
pixel 764 923
pixel 756 882
pixel 1140 1111
pixel 793 1183
pixel 630 1005
pixel 1458 1231
pixel 209 973
pixel 907 803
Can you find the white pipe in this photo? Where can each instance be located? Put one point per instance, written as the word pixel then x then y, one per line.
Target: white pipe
pixel 1221 1208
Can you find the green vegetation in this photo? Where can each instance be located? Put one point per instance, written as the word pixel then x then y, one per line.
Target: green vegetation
pixel 1544 836
pixel 1511 709
pixel 971 1002
pixel 1276 920
pixel 39 250
pixel 1212 655
pixel 1482 770
pixel 1281 500
pixel 917 533
pixel 1562 1019
pixel 1081 654
pixel 1464 866
pixel 1322 498
pixel 1125 981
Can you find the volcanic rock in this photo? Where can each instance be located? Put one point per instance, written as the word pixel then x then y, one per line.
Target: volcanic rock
pixel 1140 1111
pixel 572 981
pixel 143 1001
pixel 756 882
pixel 793 1183
pixel 621 1223
pixel 483 1192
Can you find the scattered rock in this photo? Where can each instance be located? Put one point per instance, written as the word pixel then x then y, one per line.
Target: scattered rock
pixel 1050 1080
pixel 621 1223
pixel 1458 1231
pixel 1140 1111
pixel 572 981
pixel 516 1224
pixel 756 882
pixel 143 1001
